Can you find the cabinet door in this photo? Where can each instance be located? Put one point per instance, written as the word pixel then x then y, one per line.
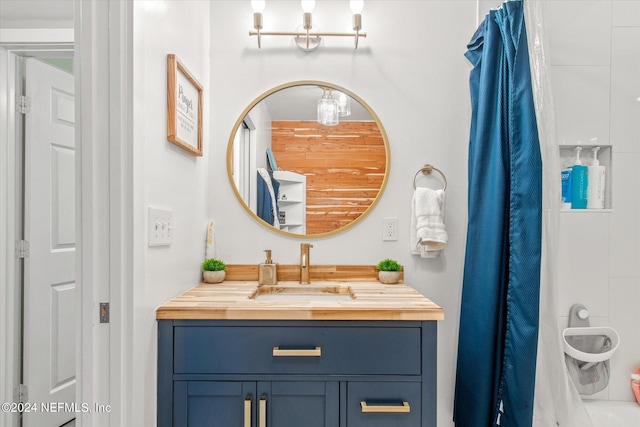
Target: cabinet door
pixel 296 404
pixel 384 404
pixel 213 404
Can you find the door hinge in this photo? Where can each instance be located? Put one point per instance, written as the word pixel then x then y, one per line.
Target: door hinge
pixel 21 394
pixel 23 104
pixel 22 249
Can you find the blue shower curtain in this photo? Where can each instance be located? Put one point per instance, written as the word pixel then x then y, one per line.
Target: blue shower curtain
pixel 498 334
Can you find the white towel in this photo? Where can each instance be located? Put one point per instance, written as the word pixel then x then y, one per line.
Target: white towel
pixel 428 233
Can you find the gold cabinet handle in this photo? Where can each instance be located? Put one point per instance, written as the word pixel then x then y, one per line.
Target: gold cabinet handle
pixel 247 411
pixel 385 408
pixel 297 352
pixel 263 412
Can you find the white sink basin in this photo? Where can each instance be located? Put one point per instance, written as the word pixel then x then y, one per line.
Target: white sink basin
pixel 303 293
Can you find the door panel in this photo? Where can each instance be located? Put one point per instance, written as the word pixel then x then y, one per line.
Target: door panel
pixel 214 404
pixel 62 197
pixel 295 404
pixel 49 288
pixel 63 368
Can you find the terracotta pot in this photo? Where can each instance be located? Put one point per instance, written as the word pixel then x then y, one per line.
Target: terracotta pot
pixel 214 276
pixel 389 277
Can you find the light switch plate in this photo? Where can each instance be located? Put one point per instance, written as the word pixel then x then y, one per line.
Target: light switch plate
pixel 160 226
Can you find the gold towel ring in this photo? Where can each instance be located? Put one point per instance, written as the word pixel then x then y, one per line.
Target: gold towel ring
pixel 428 169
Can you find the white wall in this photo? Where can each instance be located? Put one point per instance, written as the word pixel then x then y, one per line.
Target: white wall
pixel 595 66
pixel 261 140
pixel 411 70
pixel 262 122
pixel 166 176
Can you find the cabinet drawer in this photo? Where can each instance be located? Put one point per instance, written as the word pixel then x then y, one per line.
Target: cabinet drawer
pixel 297 350
pixel 384 404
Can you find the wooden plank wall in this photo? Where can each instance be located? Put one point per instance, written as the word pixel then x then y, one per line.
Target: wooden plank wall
pixel 344 166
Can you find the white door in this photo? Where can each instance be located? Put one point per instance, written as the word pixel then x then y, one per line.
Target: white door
pixel 49 290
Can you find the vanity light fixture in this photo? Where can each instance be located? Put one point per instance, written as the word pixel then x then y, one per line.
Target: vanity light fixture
pixel 328 111
pixel 307 37
pixel 258 7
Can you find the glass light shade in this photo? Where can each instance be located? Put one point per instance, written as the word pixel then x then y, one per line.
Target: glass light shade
pixel 344 104
pixel 328 111
pixel 356 6
pixel 308 5
pixel 258 5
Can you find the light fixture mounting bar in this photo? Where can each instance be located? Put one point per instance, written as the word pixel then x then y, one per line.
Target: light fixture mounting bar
pixel 307 35
pixel 304 33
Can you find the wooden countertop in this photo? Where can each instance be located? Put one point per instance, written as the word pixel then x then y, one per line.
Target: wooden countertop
pixel 369 300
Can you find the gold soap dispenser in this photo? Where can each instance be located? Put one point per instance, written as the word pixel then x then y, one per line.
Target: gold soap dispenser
pixel 267 272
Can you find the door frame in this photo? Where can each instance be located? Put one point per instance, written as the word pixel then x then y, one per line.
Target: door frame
pixel 103 70
pixel 10 313
pixel 104 211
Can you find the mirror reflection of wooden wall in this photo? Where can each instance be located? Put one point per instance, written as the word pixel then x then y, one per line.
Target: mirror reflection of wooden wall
pixel 345 167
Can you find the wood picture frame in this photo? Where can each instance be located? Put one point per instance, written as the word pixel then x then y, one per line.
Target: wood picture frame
pixel 184 107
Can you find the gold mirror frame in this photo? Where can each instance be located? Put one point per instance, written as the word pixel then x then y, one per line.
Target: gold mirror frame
pixel 259 99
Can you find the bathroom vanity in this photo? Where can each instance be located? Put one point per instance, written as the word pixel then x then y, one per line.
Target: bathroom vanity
pixel 328 354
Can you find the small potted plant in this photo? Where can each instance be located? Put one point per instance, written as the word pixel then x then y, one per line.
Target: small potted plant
pixel 389 271
pixel 213 270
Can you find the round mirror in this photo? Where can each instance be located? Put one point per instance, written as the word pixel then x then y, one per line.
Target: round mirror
pixel 308 158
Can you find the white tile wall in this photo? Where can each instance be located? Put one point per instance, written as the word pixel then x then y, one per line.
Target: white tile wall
pixel 581 95
pixel 624 296
pixel 584 272
pixel 595 55
pixel 625 88
pixel 624 256
pixel 580 31
pixel 625 13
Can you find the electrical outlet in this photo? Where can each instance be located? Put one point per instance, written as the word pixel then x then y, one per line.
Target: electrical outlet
pixel 160 227
pixel 390 228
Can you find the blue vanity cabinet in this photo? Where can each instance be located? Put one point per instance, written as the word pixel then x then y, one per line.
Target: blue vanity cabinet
pixel 268 403
pixel 296 373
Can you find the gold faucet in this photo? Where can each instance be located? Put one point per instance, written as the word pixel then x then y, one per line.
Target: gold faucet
pixel 304 263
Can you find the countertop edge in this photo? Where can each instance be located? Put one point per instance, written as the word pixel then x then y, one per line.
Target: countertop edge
pixel 302 314
pixel 202 302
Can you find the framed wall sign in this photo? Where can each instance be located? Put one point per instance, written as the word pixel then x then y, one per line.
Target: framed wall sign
pixel 184 107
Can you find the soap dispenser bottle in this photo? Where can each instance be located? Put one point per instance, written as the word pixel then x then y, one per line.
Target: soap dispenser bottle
pixel 565 175
pixel 579 183
pixel 595 190
pixel 267 273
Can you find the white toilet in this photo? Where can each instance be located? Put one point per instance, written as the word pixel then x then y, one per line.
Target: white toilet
pixel 587 351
